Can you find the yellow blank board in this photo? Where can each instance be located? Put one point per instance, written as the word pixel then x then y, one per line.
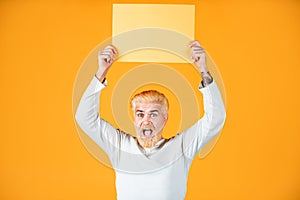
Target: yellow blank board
pixel 141 32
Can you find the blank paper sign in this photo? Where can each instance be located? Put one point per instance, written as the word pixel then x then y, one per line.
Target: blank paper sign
pixel 153 32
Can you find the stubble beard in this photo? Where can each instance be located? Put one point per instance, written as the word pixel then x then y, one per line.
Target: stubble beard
pixel 147 138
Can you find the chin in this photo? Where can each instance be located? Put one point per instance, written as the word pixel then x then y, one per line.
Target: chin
pixel 150 137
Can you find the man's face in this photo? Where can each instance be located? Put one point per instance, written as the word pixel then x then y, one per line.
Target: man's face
pixel 149 120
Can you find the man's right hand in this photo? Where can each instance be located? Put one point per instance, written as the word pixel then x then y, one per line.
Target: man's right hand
pixel 106 58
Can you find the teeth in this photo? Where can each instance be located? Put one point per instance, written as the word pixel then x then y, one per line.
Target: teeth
pixel 147 132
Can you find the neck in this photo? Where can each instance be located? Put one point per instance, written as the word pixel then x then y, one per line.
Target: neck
pixel 148 143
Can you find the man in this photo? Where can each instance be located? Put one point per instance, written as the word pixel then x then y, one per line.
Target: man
pixel 149 166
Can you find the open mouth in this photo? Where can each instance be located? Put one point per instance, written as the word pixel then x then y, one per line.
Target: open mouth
pixel 147 132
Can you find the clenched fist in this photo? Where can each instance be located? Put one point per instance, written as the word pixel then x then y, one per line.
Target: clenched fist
pixel 106 57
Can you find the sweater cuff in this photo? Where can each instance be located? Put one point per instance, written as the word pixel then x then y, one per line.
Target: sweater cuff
pixel 208 87
pixel 98 86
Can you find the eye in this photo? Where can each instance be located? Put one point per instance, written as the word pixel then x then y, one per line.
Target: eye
pixel 140 114
pixel 153 115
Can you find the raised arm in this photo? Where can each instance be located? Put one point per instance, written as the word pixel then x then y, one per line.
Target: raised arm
pixel 87 114
pixel 199 58
pixel 214 116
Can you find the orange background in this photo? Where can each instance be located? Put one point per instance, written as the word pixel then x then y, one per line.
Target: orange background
pixel 256 47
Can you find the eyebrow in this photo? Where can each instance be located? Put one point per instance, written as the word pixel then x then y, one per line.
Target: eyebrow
pixel 152 111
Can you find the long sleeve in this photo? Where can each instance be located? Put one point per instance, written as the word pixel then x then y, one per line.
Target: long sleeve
pixel 209 125
pixel 88 118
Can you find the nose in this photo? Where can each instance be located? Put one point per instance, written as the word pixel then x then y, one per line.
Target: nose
pixel 146 119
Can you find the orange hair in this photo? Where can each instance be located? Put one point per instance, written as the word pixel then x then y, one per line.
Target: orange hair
pixel 150 96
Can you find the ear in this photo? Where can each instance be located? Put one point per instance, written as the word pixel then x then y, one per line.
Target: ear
pixel 166 118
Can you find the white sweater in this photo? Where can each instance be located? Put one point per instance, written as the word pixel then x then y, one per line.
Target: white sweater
pixel 157 173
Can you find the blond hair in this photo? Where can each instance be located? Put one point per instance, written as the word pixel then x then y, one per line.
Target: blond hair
pixel 150 96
